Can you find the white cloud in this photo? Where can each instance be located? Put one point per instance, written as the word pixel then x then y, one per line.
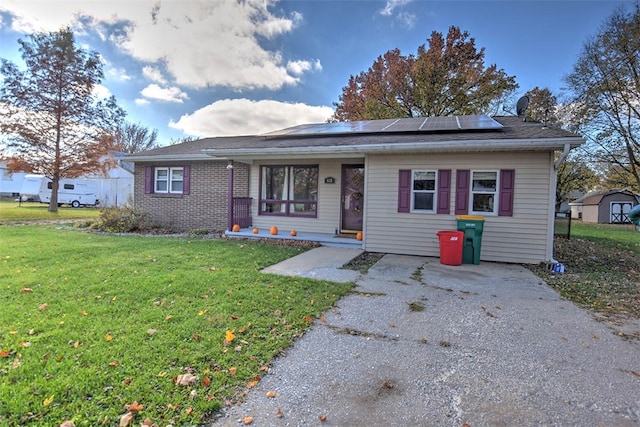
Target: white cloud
pixel 300 67
pixel 101 92
pixel 391 5
pixel 170 94
pixel 408 20
pixel 118 74
pixel 246 117
pixel 199 43
pixel 153 74
pixel 142 101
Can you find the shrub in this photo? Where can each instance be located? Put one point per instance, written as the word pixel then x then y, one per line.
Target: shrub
pixel 123 220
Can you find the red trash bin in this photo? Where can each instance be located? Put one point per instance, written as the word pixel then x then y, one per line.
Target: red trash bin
pixel 451 243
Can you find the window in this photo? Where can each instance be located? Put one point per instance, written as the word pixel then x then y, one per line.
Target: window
pixel 167 179
pixel 289 190
pixel 423 190
pixel 488 192
pixel 484 187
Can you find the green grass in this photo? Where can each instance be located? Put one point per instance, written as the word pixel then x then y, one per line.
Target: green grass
pixel 12 211
pixel 623 236
pixel 90 323
pixel 602 269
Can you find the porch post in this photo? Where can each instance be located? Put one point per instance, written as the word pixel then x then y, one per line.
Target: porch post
pixel 230 195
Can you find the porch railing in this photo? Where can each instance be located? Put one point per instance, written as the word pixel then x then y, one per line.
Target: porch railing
pixel 242 211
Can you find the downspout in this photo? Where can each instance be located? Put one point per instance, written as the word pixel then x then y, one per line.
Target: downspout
pixel 230 195
pixel 552 200
pixel 563 156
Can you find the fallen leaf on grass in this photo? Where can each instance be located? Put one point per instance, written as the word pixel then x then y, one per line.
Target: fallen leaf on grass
pixel 308 319
pixel 26 290
pixel 5 353
pixel 186 379
pixel 25 344
pixel 16 364
pixel 233 370
pixel 229 336
pixel 43 306
pixel 206 382
pixel 148 423
pixel 108 337
pixel 126 419
pixel 151 331
pixel 67 424
pixel 48 400
pixel 134 407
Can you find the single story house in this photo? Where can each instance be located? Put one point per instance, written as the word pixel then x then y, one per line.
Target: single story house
pixel 605 207
pixel 399 181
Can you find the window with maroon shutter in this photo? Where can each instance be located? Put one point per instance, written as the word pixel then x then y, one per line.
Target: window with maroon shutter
pixel 444 191
pixel 167 179
pixel 507 185
pixel 404 190
pixel 148 179
pixel 462 191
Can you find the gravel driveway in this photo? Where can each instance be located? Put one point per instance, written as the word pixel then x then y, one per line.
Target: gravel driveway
pixel 424 344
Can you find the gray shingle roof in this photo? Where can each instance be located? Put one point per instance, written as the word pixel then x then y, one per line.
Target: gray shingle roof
pixel 514 135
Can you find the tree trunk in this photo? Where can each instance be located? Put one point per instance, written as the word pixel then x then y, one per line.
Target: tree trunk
pixel 53 201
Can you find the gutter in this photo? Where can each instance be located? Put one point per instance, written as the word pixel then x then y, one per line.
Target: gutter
pixel 545 144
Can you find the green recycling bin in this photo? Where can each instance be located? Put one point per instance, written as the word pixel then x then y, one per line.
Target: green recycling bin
pixel 472 226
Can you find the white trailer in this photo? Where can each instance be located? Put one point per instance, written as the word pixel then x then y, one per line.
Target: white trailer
pixel 75 192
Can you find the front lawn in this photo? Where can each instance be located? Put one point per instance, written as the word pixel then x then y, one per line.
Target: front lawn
pixel 95 327
pixel 11 211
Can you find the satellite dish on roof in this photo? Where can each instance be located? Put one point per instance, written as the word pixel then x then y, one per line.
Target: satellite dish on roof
pixel 521 107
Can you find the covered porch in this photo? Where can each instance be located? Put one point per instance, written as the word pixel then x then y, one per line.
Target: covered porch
pixel 324 239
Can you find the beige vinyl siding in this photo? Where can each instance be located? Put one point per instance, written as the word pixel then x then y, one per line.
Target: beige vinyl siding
pixel 521 238
pixel 328 197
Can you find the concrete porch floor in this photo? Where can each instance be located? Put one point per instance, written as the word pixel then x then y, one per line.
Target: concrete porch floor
pixel 324 239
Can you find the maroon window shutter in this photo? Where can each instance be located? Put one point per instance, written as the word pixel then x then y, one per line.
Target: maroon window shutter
pixel 404 190
pixel 186 183
pixel 148 179
pixel 444 191
pixel 462 191
pixel 505 198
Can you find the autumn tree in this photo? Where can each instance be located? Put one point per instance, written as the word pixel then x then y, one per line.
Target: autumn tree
pixel 447 77
pixel 605 83
pixel 573 175
pixel 135 137
pixel 52 121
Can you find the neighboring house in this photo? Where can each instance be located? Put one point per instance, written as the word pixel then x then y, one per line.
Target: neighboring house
pixel 115 188
pixel 608 207
pixel 400 181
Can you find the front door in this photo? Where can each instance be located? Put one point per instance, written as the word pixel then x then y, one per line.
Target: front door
pixel 352 197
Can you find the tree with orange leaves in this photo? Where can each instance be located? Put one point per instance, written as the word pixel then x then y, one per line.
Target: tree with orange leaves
pixel 446 78
pixel 50 117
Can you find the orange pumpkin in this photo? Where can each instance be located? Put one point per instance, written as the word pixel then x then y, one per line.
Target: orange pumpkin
pixel 294 233
pixel 236 228
pixel 274 230
pixel 255 231
pixel 359 235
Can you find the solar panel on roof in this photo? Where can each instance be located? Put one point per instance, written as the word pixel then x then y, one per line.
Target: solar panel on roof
pixel 403 125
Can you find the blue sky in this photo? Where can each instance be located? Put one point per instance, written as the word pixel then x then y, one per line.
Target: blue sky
pixel 228 67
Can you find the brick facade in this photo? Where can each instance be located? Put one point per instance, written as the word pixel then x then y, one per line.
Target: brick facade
pixel 205 207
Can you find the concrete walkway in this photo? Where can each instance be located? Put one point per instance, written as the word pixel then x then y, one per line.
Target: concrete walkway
pixel 424 344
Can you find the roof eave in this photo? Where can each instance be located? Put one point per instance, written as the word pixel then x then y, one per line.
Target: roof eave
pixel 169 157
pixel 546 144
